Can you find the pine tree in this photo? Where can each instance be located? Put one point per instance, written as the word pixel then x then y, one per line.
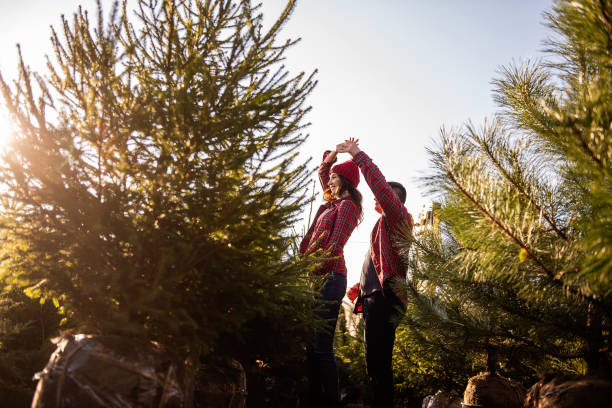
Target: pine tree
pixel 520 266
pixel 153 181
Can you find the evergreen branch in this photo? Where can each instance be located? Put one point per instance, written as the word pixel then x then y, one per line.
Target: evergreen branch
pixel 516 93
pixel 498 224
pixel 487 149
pixel 280 21
pixel 606 16
pixel 170 13
pixel 29 92
pixel 547 272
pixel 548 351
pixel 584 145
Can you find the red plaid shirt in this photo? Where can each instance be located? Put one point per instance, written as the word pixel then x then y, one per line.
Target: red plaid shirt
pixel 384 257
pixel 332 227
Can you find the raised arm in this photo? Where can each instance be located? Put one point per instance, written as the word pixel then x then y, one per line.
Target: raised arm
pixel 329 158
pixel 386 197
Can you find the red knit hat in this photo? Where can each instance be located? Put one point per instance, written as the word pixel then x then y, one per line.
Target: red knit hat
pixel 348 170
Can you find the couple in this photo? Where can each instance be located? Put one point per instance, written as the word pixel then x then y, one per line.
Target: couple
pixel 333 224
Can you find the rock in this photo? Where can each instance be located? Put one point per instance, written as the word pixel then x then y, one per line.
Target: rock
pixel 493 391
pixel 561 391
pixel 111 371
pixel 442 399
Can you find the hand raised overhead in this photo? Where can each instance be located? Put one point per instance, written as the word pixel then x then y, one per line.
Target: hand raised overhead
pixel 351 146
pixel 341 148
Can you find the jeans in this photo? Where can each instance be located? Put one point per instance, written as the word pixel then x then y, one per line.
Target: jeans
pixel 321 363
pixel 381 315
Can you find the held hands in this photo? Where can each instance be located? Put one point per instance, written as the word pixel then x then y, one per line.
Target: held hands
pixel 350 146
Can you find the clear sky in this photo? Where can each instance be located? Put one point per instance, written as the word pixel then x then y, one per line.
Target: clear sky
pixel 391 73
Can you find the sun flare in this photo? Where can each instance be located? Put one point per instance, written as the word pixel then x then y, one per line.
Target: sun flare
pixel 6 128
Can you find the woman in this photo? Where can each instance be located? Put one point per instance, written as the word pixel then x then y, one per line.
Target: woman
pixel 334 222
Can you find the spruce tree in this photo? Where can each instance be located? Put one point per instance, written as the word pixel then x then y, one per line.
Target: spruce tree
pixel 519 267
pixel 153 182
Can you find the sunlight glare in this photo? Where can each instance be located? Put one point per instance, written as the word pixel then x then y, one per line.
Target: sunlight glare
pixel 6 128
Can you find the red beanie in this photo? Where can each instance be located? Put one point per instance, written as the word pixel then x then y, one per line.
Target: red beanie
pixel 348 170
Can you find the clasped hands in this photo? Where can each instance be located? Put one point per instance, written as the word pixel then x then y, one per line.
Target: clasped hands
pixel 350 145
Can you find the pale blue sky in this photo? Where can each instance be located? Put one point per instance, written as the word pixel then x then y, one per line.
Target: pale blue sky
pixel 391 72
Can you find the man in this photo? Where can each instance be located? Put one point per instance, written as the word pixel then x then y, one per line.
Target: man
pixel 375 293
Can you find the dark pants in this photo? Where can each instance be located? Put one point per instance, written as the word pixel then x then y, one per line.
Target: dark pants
pixel 321 363
pixel 381 315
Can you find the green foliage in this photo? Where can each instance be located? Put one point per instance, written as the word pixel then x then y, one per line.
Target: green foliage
pixel 519 266
pixel 421 368
pixel 26 326
pixel 153 181
pixel 455 320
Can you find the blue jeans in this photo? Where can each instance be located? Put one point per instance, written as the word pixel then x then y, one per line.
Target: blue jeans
pixel 321 363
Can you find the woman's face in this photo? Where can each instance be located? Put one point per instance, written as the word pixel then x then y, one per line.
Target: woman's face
pixel 334 184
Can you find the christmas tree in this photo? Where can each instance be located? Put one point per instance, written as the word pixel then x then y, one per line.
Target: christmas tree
pixel 517 266
pixel 153 182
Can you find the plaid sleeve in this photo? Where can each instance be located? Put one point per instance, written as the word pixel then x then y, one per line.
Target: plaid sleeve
pixel 388 200
pixel 304 245
pixel 346 221
pixel 324 170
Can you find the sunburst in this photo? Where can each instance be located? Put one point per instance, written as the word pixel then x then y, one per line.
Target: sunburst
pixel 6 127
